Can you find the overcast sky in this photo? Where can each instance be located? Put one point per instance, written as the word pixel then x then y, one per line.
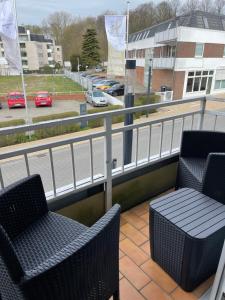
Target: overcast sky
pixel 33 11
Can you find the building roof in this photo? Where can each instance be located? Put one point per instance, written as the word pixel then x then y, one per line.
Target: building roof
pixel 196 19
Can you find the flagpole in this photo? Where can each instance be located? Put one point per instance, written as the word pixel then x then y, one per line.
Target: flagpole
pixel 128 17
pixel 21 65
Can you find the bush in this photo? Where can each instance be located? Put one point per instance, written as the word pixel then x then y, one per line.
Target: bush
pixel 144 100
pixel 100 122
pixel 12 139
pixel 56 130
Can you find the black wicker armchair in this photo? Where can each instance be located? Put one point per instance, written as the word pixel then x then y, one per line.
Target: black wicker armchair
pixel 47 256
pixel 202 163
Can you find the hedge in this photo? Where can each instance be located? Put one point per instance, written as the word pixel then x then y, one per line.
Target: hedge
pixel 12 139
pixel 56 130
pixel 100 122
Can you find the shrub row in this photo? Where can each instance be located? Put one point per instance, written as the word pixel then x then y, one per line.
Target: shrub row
pixel 12 139
pixel 56 130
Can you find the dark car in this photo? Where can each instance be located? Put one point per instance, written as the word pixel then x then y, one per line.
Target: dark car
pixel 0 105
pixel 99 78
pixel 116 90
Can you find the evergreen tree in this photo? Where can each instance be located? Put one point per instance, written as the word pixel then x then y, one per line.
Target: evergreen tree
pixel 90 49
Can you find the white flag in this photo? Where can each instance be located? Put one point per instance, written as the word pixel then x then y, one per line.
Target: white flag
pixel 115 27
pixel 8 34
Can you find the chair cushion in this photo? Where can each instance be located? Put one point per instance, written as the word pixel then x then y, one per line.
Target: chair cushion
pixel 44 238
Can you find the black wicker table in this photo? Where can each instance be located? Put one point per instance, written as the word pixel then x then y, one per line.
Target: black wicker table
pixel 186 235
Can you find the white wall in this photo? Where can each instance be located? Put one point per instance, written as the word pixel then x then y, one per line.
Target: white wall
pixel 200 35
pixel 183 64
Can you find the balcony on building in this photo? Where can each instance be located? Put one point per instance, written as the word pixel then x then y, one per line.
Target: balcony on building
pixel 163 63
pixel 166 37
pixel 84 188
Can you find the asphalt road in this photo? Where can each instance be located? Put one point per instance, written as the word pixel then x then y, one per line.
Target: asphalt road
pixel 39 162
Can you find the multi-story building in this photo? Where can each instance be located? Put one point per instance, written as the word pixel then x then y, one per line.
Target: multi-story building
pixel 36 51
pixel 186 53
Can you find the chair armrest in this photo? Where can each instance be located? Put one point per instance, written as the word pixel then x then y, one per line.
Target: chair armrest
pixel 214 177
pixel 21 204
pixel 200 143
pixel 93 256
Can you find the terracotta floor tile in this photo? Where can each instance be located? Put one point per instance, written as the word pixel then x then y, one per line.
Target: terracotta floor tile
pixel 128 292
pixel 133 251
pixel 159 276
pixel 201 289
pixel 122 236
pixel 180 294
pixel 134 220
pixel 121 254
pixel 145 217
pixel 145 231
pixel 133 273
pixel 132 233
pixel 146 247
pixel 153 292
pixel 122 221
pixel 141 209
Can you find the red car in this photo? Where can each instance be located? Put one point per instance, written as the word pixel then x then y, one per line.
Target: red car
pixel 16 99
pixel 43 99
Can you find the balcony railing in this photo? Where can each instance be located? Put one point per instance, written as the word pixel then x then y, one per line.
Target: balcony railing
pixel 163 62
pixel 166 36
pixel 80 162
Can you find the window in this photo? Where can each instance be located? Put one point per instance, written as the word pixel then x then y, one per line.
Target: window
pixel 22 45
pixel 199 49
pixel 24 63
pixel 198 81
pixel 219 84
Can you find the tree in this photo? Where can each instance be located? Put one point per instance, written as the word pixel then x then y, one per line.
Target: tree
pixel 190 5
pixel 163 11
pixel 90 48
pixel 175 6
pixel 55 25
pixel 206 5
pixel 143 16
pixel 219 6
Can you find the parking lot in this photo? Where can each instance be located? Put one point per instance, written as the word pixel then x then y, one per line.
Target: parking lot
pixel 58 107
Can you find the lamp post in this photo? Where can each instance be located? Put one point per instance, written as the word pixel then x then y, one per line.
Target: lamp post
pixel 129 102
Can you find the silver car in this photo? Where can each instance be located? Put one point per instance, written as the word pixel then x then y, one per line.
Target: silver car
pixel 96 98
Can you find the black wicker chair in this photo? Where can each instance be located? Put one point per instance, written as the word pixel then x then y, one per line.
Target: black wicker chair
pixel 44 255
pixel 202 163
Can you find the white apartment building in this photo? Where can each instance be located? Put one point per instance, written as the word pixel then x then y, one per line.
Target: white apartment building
pixel 36 51
pixel 186 54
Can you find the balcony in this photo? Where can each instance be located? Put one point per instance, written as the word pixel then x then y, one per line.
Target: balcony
pixel 80 180
pixel 164 63
pixel 166 37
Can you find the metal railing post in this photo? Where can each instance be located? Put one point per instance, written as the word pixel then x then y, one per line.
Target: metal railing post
pixel 108 162
pixel 202 113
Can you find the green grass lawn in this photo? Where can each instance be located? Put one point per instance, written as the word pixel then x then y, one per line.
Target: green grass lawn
pixel 38 83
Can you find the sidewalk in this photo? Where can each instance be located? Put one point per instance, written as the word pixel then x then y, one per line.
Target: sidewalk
pixel 161 113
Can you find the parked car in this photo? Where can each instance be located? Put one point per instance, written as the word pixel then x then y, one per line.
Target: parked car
pixel 99 83
pixel 43 99
pixel 116 90
pixel 16 99
pixel 98 79
pixel 107 85
pixel 96 98
pixel 98 69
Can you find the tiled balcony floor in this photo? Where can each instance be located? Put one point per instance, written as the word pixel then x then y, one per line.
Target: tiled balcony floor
pixel 140 277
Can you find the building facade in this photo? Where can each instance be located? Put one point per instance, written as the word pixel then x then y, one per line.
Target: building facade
pixel 186 54
pixel 37 51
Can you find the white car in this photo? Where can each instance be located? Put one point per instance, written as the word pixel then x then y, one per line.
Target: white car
pixel 96 98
